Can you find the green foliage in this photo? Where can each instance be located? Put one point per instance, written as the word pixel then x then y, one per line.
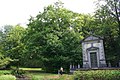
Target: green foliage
pixel 2 72
pixel 18 73
pixel 11 44
pixel 4 61
pixel 53 39
pixel 108 25
pixel 13 41
pixel 7 77
pixel 97 75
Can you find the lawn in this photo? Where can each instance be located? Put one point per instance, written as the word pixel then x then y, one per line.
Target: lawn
pixel 49 76
pixel 31 69
pixel 38 74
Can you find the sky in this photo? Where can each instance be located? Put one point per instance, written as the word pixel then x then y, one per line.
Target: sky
pixel 13 12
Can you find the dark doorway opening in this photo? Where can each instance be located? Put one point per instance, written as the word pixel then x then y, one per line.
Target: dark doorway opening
pixel 93 59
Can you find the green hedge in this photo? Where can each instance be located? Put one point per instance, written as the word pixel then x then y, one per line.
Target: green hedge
pixel 2 72
pixel 97 75
pixel 7 77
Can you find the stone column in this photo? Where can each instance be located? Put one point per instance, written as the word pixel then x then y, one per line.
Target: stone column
pixel 73 66
pixel 78 66
pixel 119 63
pixel 102 56
pixel 109 64
pixel 70 66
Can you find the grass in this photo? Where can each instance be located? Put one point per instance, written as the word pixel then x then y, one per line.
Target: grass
pixel 41 76
pixel 49 76
pixel 31 69
pixel 38 74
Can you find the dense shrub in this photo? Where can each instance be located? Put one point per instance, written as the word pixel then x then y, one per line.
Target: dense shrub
pixel 97 75
pixel 7 77
pixel 5 72
pixel 18 73
pixel 4 61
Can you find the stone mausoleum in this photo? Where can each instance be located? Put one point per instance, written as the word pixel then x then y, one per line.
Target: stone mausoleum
pixel 93 52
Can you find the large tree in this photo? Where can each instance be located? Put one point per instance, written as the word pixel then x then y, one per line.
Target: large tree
pixel 11 44
pixel 108 22
pixel 4 61
pixel 53 38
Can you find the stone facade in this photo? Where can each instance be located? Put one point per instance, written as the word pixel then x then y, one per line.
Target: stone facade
pixel 93 52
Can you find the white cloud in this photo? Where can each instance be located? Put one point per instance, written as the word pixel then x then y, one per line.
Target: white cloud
pixel 81 6
pixel 18 11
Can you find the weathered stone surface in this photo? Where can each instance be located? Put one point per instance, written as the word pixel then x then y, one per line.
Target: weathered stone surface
pixel 93 52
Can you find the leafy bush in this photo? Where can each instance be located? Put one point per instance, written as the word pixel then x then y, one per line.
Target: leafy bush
pixel 5 72
pixel 97 75
pixel 7 77
pixel 18 73
pixel 4 61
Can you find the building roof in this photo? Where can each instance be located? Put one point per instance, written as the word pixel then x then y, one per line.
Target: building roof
pixel 91 38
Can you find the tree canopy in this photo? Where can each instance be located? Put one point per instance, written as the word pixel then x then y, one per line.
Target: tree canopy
pixel 108 21
pixel 52 38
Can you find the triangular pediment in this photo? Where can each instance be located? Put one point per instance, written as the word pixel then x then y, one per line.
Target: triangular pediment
pixel 92 38
pixel 93 48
